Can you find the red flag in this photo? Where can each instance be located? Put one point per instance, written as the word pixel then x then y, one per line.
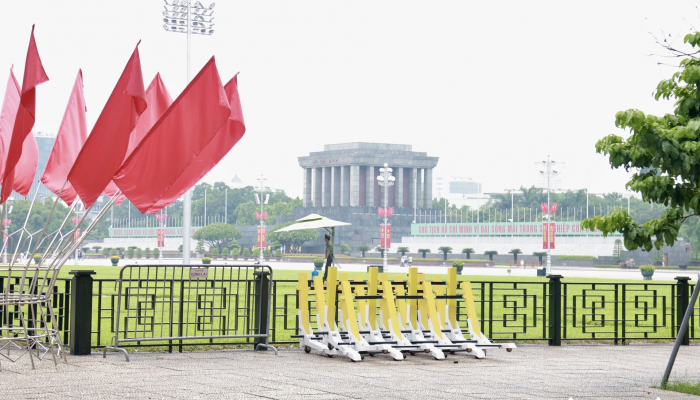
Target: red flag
pixel 198 129
pixel 158 100
pixel 34 75
pixel 26 167
pixel 108 142
pixel 69 140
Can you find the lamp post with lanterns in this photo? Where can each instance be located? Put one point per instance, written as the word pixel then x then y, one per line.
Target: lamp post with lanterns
pixel 386 180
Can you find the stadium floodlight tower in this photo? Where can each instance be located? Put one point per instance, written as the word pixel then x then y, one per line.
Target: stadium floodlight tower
pixel 184 17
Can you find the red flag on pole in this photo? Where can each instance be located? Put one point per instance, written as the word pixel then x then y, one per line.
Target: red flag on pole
pixel 198 129
pixel 34 75
pixel 158 100
pixel 109 140
pixel 26 167
pixel 70 138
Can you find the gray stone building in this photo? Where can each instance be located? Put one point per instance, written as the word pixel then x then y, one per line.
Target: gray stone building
pixel 340 183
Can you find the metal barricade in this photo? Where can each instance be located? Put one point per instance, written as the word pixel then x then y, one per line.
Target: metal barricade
pixel 183 305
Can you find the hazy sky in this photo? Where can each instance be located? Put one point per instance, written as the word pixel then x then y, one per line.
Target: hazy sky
pixel 489 87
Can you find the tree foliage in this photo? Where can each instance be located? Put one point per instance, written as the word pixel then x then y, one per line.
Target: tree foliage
pixel 293 239
pixel 218 235
pixel 468 251
pixel 665 153
pixel 445 250
pixel 515 253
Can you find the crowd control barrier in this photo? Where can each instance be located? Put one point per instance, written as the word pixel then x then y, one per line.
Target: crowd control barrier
pixel 176 305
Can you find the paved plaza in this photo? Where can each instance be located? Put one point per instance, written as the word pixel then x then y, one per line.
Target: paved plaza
pixel 529 372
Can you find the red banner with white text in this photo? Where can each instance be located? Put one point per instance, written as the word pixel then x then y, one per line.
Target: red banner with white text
pixel 262 236
pixel 552 232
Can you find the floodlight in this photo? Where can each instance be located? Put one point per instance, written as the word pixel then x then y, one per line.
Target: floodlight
pixel 390 169
pixel 165 26
pixel 211 31
pixel 392 178
pixel 198 4
pixel 211 6
pixel 386 165
pixel 257 198
pixel 198 18
pixel 165 20
pixel 380 178
pixel 267 198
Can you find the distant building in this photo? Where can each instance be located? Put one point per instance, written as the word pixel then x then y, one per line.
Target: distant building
pixel 340 183
pixel 236 183
pixel 44 142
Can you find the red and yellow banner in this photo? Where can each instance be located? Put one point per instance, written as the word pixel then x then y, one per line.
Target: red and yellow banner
pixel 552 233
pixel 161 237
pixel 545 234
pixel 262 236
pixel 385 236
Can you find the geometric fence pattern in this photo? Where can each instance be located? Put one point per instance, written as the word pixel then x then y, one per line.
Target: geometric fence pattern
pixel 508 311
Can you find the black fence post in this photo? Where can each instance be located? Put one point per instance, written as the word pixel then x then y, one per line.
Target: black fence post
pixel 81 312
pixel 262 306
pixel 682 297
pixel 555 310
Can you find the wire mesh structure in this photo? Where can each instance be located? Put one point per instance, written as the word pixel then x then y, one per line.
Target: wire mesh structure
pixel 27 320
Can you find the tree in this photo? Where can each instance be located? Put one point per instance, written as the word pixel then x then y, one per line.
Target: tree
pixel 380 249
pixel 664 151
pixel 96 248
pixel 468 251
pixel 363 249
pixel 293 239
pixel 344 248
pixel 618 255
pixel 424 251
pixel 445 250
pixel 491 253
pixel 218 235
pixel 403 251
pixel 515 253
pixel 540 254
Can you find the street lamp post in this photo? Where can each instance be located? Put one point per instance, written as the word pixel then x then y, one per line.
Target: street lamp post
pixel 385 180
pixel 183 17
pixel 262 199
pixel 161 235
pixel 549 172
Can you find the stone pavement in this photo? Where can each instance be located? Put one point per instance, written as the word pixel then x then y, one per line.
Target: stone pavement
pixel 529 372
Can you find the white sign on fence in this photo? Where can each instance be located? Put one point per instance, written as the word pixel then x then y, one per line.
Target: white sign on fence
pixel 199 273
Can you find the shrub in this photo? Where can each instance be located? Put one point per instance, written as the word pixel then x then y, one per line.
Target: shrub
pixel 445 250
pixel 138 252
pixel 156 252
pixel 236 251
pixel 363 249
pixel 115 258
pixel 515 253
pixel 267 253
pixel 468 251
pixel 147 251
pixel 403 250
pixel 206 259
pixel 215 252
pixel 97 249
pixel 105 251
pixel 225 252
pixel 113 252
pixel 130 252
pixel 457 263
pixel 246 252
pixel 647 268
pixel 491 253
pixel 200 247
pixel 424 251
pixel 256 253
pixel 319 260
pixel 278 253
pixel 179 248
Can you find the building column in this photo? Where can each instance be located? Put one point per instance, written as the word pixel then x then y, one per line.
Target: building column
pixel 326 174
pixel 419 183
pixel 344 185
pixel 428 191
pixel 354 186
pixel 335 186
pixel 412 188
pixel 307 187
pixel 370 186
pixel 398 187
pixel 317 187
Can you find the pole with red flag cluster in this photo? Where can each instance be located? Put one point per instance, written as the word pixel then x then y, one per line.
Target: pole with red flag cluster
pixel 385 180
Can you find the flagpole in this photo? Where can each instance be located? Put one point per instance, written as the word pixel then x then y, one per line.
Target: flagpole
pixel 187 201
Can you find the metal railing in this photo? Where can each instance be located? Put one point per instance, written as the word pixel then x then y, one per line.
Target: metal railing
pixel 612 312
